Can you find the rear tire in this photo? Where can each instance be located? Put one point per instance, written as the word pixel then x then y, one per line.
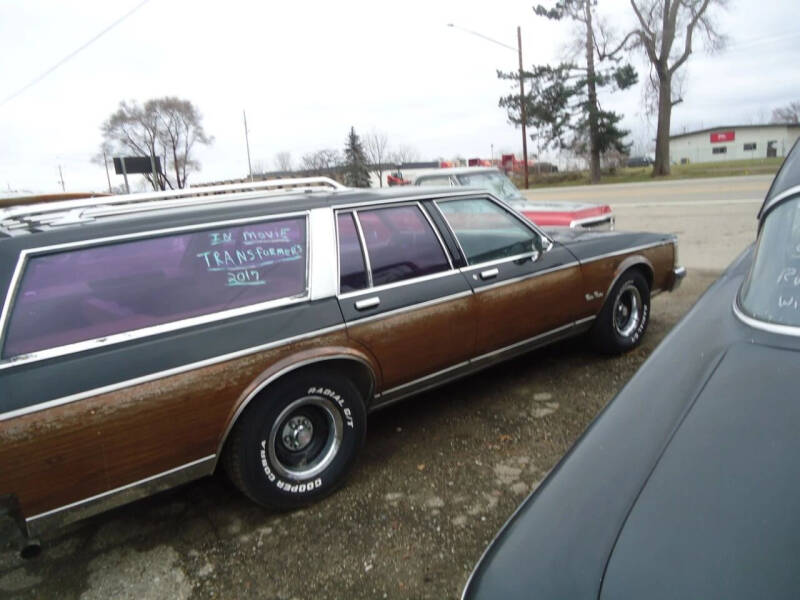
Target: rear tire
pixel 624 317
pixel 295 443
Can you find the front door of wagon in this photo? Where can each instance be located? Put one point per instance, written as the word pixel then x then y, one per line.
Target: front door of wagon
pixel 523 289
pixel 400 295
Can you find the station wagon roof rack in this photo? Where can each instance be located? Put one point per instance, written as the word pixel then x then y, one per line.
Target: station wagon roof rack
pixel 71 212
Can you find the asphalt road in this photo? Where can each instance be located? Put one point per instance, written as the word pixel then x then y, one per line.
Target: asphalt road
pixel 439 474
pixel 714 219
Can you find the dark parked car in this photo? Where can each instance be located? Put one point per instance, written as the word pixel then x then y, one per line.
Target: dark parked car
pixel 146 340
pixel 639 161
pixel 687 485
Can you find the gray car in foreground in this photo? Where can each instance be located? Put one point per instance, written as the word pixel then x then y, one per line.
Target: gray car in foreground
pixel 687 485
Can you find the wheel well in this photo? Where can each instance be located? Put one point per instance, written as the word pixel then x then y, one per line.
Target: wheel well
pixel 645 270
pixel 355 370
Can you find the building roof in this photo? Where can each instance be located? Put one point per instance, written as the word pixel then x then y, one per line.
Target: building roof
pixel 729 127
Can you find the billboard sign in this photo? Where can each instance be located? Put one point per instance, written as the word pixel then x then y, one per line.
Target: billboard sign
pixel 723 136
pixel 136 164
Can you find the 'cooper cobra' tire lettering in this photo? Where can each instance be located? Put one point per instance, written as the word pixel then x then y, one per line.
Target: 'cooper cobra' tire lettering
pixel 295 442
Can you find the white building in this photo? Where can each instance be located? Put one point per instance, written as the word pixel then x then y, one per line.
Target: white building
pixel 735 142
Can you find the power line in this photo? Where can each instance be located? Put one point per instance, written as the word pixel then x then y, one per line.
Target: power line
pixel 73 53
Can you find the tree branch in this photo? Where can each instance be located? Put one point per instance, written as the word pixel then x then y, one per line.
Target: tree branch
pixel 687 50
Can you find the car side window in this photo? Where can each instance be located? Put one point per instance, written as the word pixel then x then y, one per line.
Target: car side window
pixel 90 293
pixel 352 270
pixel 485 230
pixel 400 244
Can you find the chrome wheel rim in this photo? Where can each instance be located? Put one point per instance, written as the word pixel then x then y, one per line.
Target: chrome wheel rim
pixel 305 438
pixel 627 310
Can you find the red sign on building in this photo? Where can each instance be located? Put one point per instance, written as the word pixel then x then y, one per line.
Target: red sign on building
pixel 723 136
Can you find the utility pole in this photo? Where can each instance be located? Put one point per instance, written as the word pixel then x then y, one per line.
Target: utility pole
pixel 247 143
pixel 522 108
pixel 61 178
pixel 522 111
pixel 108 177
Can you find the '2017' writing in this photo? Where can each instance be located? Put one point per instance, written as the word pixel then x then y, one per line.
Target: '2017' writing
pixel 250 277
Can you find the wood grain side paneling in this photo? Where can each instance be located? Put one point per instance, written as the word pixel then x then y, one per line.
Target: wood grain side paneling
pixel 520 310
pixel 419 341
pixel 70 452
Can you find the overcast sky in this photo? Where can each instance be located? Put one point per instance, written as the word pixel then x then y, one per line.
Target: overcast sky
pixel 306 71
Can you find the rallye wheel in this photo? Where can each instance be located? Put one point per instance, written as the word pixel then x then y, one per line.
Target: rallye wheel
pixel 624 317
pixel 296 442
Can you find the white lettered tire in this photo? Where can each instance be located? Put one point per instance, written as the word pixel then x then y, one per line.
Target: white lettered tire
pixel 623 319
pixel 296 441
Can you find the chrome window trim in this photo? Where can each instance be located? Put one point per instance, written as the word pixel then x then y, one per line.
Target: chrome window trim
pixel 364 252
pixel 396 284
pixel 436 233
pixel 421 197
pixel 135 334
pixel 12 414
pixel 110 498
pixel 497 261
pixel 762 325
pixel 286 370
pixel 673 241
pixel 773 202
pixel 403 309
pixel 450 229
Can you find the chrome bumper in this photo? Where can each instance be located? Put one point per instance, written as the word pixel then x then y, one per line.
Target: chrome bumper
pixel 678 273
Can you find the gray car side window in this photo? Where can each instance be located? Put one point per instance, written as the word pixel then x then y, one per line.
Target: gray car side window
pixel 485 230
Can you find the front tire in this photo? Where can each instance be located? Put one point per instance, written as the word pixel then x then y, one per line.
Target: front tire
pixel 624 317
pixel 296 442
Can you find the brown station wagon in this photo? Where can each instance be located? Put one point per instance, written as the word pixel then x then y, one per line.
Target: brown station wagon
pixel 148 340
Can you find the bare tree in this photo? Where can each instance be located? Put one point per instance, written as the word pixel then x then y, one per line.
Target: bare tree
pixel 259 167
pixel 321 162
pixel 376 147
pixel 666 32
pixel 283 161
pixel 168 128
pixel 787 114
pixel 404 154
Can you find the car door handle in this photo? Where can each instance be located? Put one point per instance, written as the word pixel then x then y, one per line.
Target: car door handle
pixel 490 273
pixel 367 303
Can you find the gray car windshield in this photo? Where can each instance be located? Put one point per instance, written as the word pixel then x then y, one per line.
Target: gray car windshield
pixel 771 292
pixel 500 185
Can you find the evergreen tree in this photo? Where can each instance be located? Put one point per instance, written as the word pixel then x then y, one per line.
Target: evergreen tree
pixel 561 103
pixel 356 173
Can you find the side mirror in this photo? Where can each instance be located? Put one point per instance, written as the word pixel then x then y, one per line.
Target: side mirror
pixel 540 245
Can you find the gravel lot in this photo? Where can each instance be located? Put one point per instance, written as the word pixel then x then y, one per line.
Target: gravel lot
pixel 437 478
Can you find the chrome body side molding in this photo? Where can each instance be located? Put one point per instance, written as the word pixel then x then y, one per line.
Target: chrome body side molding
pixel 122 495
pixel 432 380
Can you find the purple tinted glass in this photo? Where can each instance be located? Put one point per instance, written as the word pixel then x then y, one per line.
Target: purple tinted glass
pixel 401 244
pixel 95 292
pixel 352 273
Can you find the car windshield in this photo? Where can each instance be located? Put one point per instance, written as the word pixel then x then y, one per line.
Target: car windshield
pixel 771 292
pixel 494 181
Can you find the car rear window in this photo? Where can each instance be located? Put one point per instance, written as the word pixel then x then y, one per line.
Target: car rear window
pixel 401 244
pixel 89 293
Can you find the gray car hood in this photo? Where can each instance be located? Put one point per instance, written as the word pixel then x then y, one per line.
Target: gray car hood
pixel 719 517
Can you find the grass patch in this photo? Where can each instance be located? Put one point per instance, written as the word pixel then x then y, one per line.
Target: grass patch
pixel 757 166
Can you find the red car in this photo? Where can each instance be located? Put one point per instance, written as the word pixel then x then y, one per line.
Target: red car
pixel 545 214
